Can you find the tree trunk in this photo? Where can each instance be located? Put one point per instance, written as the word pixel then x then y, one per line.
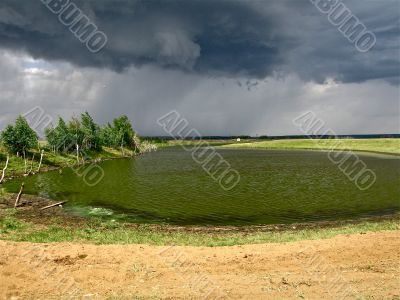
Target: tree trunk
pixel 19 195
pixel 4 170
pixel 33 158
pixel 26 164
pixel 77 153
pixel 122 147
pixel 41 159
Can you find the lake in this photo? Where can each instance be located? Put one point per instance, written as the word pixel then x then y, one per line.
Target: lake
pixel 167 186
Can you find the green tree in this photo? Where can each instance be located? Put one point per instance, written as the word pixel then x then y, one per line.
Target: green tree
pixel 91 132
pixel 19 138
pixel 63 135
pixel 76 132
pixel 59 138
pixel 108 136
pixel 51 138
pixel 8 138
pixel 124 134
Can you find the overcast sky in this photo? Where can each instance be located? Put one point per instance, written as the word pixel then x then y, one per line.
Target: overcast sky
pixel 229 67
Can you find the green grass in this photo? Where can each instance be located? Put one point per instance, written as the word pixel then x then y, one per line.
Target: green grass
pixel 97 232
pixel 390 146
pixel 9 223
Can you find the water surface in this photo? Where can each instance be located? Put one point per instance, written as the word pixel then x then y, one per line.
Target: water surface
pixel 275 187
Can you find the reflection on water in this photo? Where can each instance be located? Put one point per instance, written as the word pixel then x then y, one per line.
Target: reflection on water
pixel 275 187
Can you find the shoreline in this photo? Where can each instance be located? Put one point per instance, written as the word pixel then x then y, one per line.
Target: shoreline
pixel 29 211
pixel 60 167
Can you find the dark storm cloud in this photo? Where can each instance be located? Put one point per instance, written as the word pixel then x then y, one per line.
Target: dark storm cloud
pixel 232 38
pixel 325 52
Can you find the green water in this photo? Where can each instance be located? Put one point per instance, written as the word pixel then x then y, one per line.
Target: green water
pixel 275 187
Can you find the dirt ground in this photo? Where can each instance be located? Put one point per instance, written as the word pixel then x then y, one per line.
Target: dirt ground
pixel 365 266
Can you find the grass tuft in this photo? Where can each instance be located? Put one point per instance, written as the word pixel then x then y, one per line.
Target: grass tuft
pixel 9 224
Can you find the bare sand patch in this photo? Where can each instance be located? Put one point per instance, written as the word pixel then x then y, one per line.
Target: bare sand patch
pixel 365 265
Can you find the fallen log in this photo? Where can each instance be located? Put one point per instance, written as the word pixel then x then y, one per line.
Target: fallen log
pixel 52 205
pixel 19 195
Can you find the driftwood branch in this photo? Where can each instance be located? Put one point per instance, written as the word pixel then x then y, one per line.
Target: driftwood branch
pixel 19 195
pixel 4 170
pixel 52 205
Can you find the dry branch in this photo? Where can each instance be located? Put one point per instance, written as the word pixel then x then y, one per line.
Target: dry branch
pixel 52 205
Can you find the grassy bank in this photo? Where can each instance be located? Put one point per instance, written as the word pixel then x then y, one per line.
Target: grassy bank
pixel 100 232
pixel 52 160
pixel 389 146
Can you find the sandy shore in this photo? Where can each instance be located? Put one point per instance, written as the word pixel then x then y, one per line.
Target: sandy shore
pixel 344 267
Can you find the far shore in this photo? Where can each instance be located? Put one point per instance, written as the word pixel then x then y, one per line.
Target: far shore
pixel 381 146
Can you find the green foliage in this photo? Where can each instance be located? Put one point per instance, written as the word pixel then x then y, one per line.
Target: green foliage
pixel 8 138
pixel 91 133
pixel 84 132
pixel 107 136
pixel 124 134
pixel 19 138
pixel 59 138
pixel 120 134
pixel 76 131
